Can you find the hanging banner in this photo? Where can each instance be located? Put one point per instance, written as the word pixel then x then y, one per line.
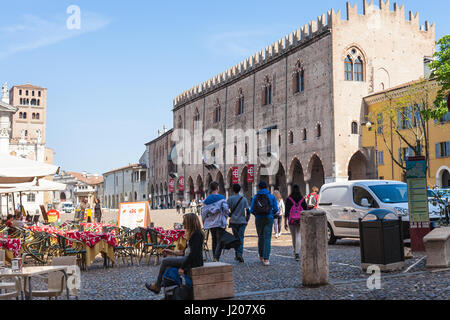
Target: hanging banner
pixel 171 185
pixel 250 173
pixel 181 183
pixel 235 175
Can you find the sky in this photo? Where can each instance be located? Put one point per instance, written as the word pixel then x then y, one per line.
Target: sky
pixel 111 83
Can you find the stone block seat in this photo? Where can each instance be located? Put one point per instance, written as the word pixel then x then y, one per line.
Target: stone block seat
pixel 213 281
pixel 437 247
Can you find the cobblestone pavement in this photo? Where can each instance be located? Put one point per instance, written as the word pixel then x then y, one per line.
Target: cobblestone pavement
pixel 279 281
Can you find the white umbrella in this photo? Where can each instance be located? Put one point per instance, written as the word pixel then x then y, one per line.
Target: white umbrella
pixel 19 170
pixel 41 186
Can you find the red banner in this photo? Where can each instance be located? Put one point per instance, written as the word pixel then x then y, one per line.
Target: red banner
pixel 171 185
pixel 250 173
pixel 181 183
pixel 235 175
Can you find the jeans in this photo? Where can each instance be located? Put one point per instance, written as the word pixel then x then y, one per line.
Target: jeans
pixel 296 237
pixel 264 230
pixel 216 234
pixel 239 232
pixel 277 223
pixel 176 262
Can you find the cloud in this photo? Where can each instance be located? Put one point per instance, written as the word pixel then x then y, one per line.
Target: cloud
pixel 239 44
pixel 33 32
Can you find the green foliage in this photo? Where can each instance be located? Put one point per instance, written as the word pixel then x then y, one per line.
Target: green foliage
pixel 440 69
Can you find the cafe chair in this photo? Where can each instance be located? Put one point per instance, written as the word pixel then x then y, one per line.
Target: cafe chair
pixel 12 290
pixel 55 281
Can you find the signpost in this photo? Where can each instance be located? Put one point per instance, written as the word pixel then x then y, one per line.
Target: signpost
pixel 417 201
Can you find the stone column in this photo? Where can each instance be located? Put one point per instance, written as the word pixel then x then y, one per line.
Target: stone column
pixel 313 229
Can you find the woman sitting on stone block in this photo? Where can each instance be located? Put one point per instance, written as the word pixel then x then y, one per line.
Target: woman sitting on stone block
pixel 191 258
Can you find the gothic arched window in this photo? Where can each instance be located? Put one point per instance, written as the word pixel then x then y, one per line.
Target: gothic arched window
pixel 196 119
pixel 354 127
pixel 358 70
pixel 298 80
pixel 348 63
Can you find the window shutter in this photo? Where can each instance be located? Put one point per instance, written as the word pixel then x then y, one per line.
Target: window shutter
pixel 400 155
pixel 447 149
pixel 399 119
pixel 436 147
pixel 410 152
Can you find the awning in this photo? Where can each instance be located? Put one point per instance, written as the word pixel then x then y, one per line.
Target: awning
pixel 41 186
pixel 19 170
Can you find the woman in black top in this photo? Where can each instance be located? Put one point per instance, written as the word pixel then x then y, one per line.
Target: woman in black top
pixel 191 258
pixel 98 211
pixel 297 196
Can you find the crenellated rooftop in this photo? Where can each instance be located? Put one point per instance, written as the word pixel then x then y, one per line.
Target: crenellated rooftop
pixel 297 38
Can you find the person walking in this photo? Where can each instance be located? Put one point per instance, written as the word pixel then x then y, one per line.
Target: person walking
pixel 295 204
pixel 192 257
pixel 214 215
pixel 239 217
pixel 178 205
pixel 313 198
pixel 98 211
pixel 193 206
pixel 278 218
pixel 183 206
pixel 264 206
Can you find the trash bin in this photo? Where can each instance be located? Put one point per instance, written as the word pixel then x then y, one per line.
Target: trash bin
pixel 381 240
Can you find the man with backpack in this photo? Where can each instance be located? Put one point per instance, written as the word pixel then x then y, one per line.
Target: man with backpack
pixel 264 206
pixel 295 205
pixel 238 218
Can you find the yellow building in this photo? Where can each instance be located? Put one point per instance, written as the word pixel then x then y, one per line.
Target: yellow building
pixel 393 128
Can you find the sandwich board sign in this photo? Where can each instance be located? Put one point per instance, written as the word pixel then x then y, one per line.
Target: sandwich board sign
pixel 134 214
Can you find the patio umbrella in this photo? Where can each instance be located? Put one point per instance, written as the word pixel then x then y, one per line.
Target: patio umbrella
pixel 39 185
pixel 19 170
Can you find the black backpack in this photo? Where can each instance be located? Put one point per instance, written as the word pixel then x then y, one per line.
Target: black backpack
pixel 261 205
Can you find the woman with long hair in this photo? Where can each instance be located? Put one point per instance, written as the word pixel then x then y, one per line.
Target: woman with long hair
pixel 98 211
pixel 295 199
pixel 192 257
pixel 278 218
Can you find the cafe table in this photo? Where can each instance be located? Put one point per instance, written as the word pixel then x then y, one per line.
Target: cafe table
pixel 29 272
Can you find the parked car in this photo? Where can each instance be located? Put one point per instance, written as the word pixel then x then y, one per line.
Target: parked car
pixel 346 202
pixel 67 207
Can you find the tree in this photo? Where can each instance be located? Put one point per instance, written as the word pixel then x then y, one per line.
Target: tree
pixel 402 118
pixel 440 69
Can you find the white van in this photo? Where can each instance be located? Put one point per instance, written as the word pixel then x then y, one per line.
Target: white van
pixel 67 207
pixel 346 202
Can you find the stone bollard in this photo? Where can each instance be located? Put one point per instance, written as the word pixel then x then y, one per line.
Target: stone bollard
pixel 313 230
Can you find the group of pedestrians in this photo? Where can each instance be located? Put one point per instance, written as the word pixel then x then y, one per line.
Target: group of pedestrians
pixel 194 206
pixel 218 212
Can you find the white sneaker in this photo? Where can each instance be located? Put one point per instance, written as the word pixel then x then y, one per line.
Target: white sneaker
pixel 266 263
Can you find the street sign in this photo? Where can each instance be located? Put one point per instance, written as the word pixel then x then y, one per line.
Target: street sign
pixel 419 218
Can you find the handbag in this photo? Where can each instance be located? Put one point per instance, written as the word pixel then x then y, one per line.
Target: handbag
pixel 228 241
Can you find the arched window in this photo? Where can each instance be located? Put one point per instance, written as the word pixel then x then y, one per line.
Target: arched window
pixel 358 68
pixel 37 116
pixel 196 119
pixel 348 63
pixel 20 115
pixel 305 137
pixel 266 95
pixel 180 122
pixel 298 80
pixel 354 127
pixel 33 116
pixel 291 137
pixel 319 130
pixel 240 103
pixel 24 115
pixel 217 114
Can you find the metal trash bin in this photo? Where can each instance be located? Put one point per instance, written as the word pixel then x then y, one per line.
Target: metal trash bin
pixel 381 241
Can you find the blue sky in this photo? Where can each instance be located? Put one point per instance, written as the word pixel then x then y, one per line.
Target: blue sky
pixel 111 84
